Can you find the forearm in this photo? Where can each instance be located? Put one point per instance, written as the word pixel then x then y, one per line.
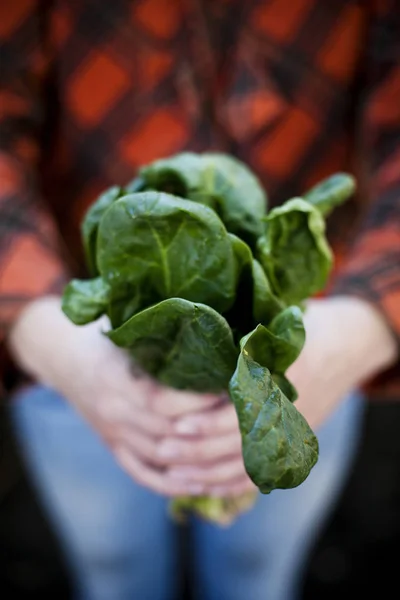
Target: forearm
pixel 347 343
pixel 42 338
pixel 371 342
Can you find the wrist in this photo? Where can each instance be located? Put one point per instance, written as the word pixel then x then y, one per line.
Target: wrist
pixel 30 333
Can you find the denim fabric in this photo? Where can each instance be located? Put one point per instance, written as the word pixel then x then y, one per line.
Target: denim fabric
pixel 119 539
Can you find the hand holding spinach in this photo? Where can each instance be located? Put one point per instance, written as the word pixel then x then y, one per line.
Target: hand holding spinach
pixel 204 288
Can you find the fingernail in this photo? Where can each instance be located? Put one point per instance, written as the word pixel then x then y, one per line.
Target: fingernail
pixel 168 450
pixel 186 428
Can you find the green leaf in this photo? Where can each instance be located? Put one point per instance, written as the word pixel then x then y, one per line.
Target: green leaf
pixel 278 345
pixel 331 192
pixel 241 200
pixel 136 185
pixel 285 386
pixel 279 448
pixel 216 180
pixel 255 302
pixel 183 344
pixel 153 246
pixel 90 225
pixel 85 301
pixel 288 327
pixel 265 304
pixel 294 251
pixel 180 175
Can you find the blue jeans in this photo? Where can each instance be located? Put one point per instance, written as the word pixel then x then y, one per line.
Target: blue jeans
pixel 122 545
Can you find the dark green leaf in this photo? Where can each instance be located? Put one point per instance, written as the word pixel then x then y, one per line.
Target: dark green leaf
pixel 182 344
pixel 288 327
pixel 216 180
pixel 156 246
pixel 278 345
pixel 279 448
pixel 180 175
pixel 90 225
pixel 265 304
pixel 241 200
pixel 285 386
pixel 255 302
pixel 294 251
pixel 331 192
pixel 85 301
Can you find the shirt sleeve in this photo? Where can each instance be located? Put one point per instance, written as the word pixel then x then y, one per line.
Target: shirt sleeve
pixel 30 262
pixel 372 268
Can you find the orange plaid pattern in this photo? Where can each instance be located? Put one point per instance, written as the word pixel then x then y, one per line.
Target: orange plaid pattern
pixel 91 90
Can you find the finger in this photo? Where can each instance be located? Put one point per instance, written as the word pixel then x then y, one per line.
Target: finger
pixel 176 403
pixel 153 479
pixel 151 423
pixel 211 475
pixel 137 443
pixel 180 450
pixel 210 422
pixel 240 486
pixel 123 397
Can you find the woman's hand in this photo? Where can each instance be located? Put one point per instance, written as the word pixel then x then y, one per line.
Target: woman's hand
pixel 347 342
pixel 206 449
pixel 179 443
pixel 131 414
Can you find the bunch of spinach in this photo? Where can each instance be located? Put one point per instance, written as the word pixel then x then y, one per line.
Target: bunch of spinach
pixel 205 289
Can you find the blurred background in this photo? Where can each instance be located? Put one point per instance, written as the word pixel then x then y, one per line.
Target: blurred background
pixel 358 550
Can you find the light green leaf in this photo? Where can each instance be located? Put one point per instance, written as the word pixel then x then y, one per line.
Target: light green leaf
pixel 85 301
pixel 331 192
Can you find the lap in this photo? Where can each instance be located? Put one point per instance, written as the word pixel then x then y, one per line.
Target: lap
pixel 111 527
pixel 119 535
pixel 261 555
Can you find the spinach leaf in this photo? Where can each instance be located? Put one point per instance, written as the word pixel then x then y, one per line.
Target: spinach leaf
pixel 294 251
pixel 240 199
pixel 331 192
pixel 186 261
pixel 183 344
pixel 180 175
pixel 255 301
pixel 285 386
pixel 216 180
pixel 90 225
pixel 153 246
pixel 84 301
pixel 136 185
pixel 278 345
pixel 265 304
pixel 279 448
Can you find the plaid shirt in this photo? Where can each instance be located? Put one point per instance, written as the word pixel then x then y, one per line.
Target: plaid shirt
pixel 92 89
